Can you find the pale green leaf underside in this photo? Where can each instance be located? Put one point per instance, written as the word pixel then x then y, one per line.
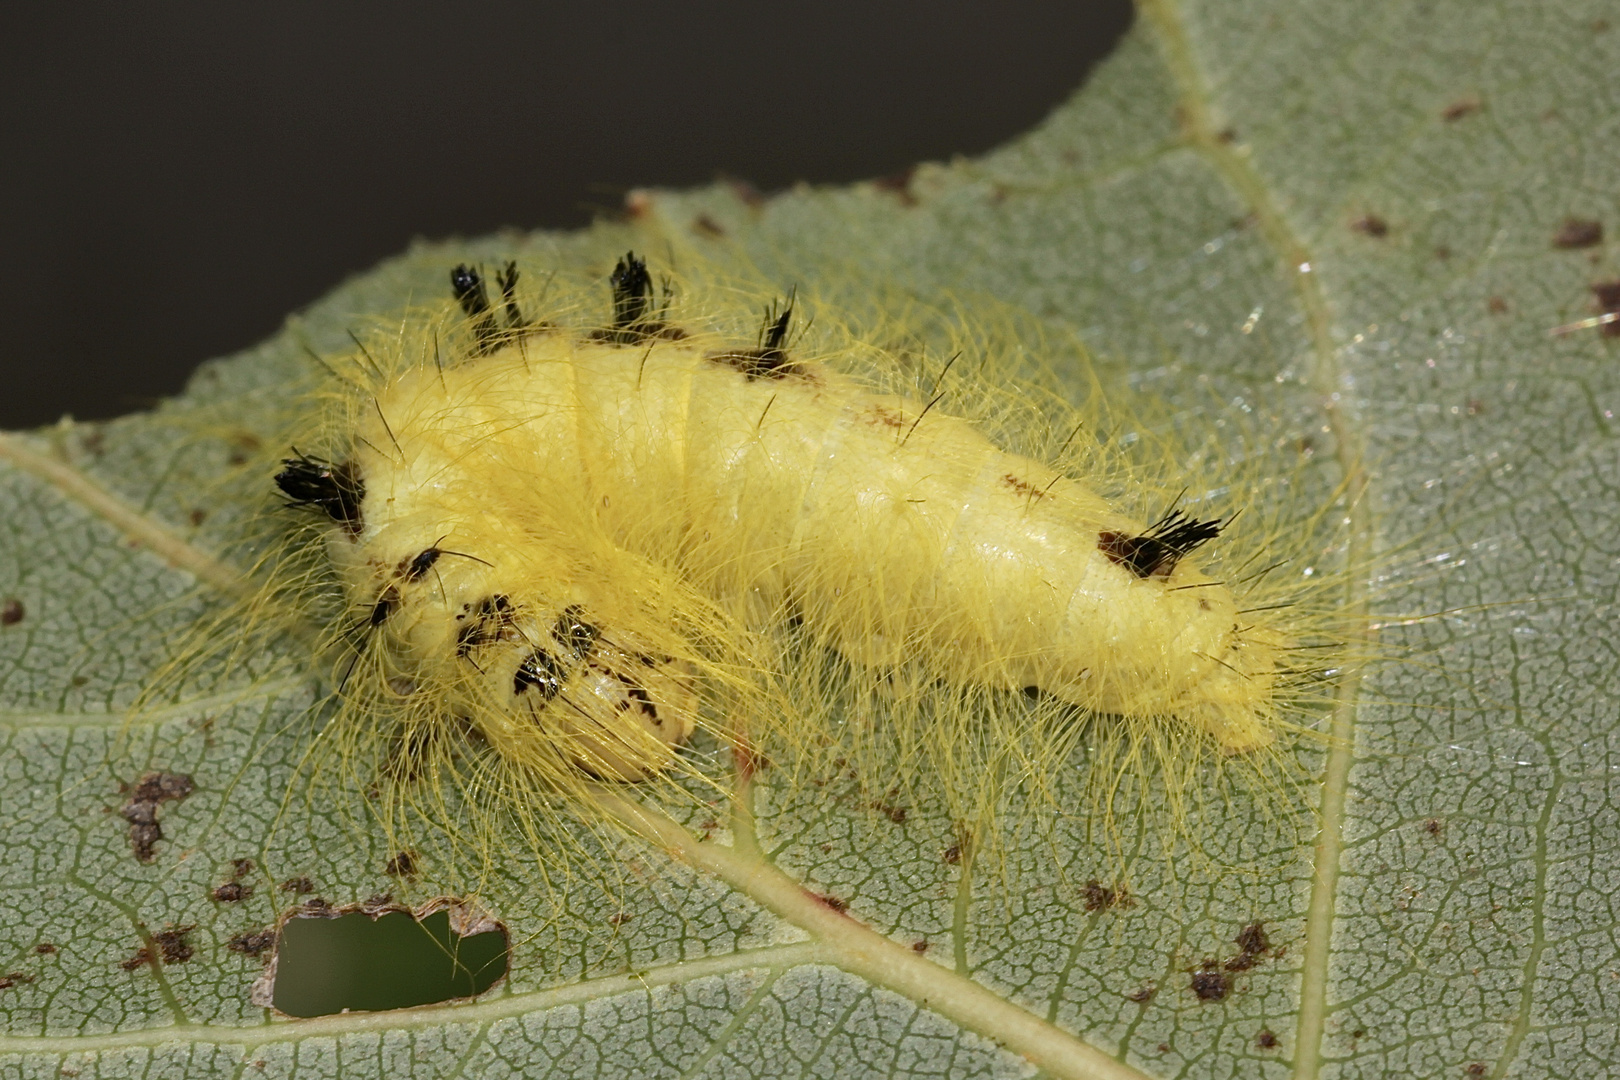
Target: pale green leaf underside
pixel 1171 203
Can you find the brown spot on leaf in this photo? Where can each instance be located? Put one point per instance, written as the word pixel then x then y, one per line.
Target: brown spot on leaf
pixel 1371 225
pixel 1607 294
pixel 11 611
pixel 899 185
pixel 746 193
pixel 172 945
pixel 1577 233
pixel 252 943
pixel 1252 946
pixel 44 948
pixel 1209 984
pixel 1460 108
pixel 1266 1039
pixel 298 885
pixel 1252 939
pixel 151 791
pixel 1496 305
pixel 402 865
pixel 1142 994
pixel 704 225
pixel 231 892
pixel 377 904
pixel 1099 897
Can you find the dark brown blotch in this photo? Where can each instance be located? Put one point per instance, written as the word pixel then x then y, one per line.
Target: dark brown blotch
pixel 1577 233
pixel 1460 108
pixel 1210 983
pixel 232 892
pixel 1370 225
pixel 1023 487
pixel 492 620
pixel 148 793
pixel 899 185
pixel 333 487
pixel 252 943
pixel 172 945
pixel 1607 294
pixel 1099 897
pixel 1156 552
pixel 882 416
pixel 769 359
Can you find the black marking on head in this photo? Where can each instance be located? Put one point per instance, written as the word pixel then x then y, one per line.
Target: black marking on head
pixel 640 697
pixel 416 567
pixel 491 621
pixel 542 671
pixel 770 359
pixel 334 488
pixel 1156 552
pixel 385 605
pixel 573 632
pixel 421 563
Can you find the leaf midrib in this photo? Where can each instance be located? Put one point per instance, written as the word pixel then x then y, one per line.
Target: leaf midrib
pixel 1304 276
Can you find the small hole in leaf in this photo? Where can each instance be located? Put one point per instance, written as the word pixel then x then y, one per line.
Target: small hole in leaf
pixel 354 962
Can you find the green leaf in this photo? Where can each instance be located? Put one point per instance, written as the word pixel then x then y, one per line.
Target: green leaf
pixel 1357 204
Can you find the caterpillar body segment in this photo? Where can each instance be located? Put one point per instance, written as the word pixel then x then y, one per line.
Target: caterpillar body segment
pixel 570 536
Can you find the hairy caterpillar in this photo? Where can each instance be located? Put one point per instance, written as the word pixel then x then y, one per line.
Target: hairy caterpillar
pixel 576 537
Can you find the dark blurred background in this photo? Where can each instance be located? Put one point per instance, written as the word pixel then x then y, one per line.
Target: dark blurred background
pixel 177 177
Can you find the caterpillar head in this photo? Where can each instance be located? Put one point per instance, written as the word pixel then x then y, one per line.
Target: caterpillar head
pixel 527 644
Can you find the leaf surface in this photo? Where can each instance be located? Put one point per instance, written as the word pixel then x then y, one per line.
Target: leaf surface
pixel 1359 204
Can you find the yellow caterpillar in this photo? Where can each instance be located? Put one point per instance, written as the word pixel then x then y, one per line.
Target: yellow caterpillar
pixel 550 550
